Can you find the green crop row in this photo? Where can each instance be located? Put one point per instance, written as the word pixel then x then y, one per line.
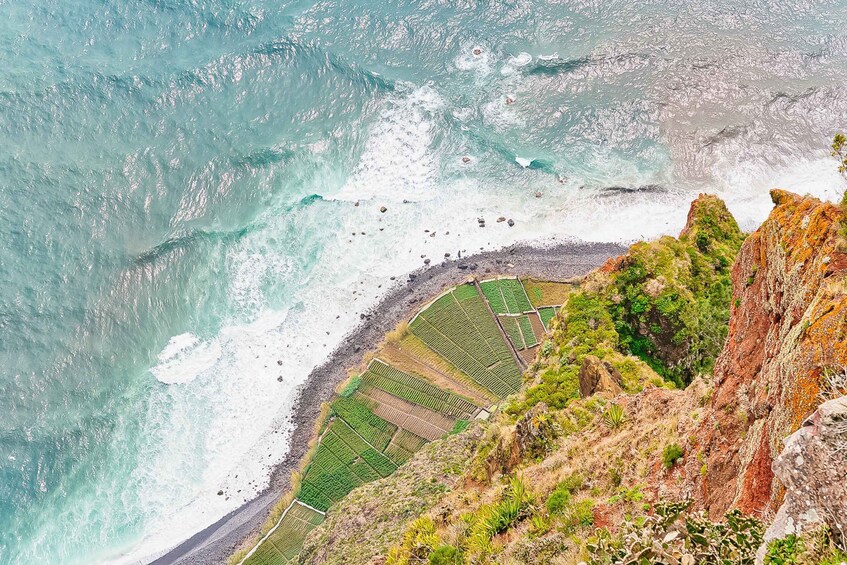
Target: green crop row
pixel 403 446
pixel 528 333
pixel 445 347
pixel 510 325
pixel 313 496
pixel 485 324
pixel 506 296
pixel 416 390
pixel 266 554
pixel 398 454
pixel 371 427
pixel 491 290
pixel 408 441
pixel 286 541
pixel 373 458
pixel 450 319
pixel 547 314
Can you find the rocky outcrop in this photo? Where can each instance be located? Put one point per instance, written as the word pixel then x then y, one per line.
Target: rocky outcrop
pixel 534 435
pixel 813 468
pixel 788 328
pixel 598 376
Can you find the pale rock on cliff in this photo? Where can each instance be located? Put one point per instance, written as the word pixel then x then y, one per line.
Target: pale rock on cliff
pixel 813 468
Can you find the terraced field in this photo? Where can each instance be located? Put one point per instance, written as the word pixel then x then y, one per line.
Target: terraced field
pixel 343 461
pixel 547 314
pixel 547 293
pixel 432 380
pixel 529 337
pixel 417 390
pixel 459 327
pixel 285 542
pixel 510 326
pixel 506 296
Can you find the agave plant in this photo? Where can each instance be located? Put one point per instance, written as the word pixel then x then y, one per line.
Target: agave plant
pixel 613 417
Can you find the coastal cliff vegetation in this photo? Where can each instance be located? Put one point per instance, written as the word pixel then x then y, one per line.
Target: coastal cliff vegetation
pixel 682 404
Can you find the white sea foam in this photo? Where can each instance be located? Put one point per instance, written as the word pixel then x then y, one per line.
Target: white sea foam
pixel 396 163
pixel 184 358
pixel 224 421
pixel 480 63
pixel 513 63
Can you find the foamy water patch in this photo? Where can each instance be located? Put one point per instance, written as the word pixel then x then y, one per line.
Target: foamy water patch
pixel 745 186
pixel 477 59
pixel 397 163
pixel 184 358
pixel 514 63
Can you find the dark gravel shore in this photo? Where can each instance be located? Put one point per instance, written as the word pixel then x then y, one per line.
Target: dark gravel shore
pixel 557 262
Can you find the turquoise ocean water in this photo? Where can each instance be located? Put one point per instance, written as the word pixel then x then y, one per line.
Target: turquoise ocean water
pixel 177 189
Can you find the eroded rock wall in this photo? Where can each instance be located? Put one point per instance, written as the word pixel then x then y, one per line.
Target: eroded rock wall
pixel 788 327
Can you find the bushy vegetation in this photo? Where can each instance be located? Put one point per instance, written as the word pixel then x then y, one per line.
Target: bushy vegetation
pixel 784 551
pixel 667 302
pixel 670 299
pixel 671 537
pixel 811 548
pixel 473 542
pixel 587 329
pixel 671 454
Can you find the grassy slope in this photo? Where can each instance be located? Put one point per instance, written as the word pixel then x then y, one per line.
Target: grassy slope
pixel 660 310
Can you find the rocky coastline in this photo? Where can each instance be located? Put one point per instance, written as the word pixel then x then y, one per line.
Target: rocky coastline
pixel 555 261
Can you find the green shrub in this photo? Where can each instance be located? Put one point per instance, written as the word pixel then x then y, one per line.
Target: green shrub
pixel 669 534
pixel 633 494
pixel 671 454
pixel 419 540
pixel 446 555
pixel 578 514
pixel 558 500
pixel 493 519
pixel 784 551
pixel 572 482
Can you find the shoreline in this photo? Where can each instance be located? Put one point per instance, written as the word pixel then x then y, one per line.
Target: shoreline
pixel 558 261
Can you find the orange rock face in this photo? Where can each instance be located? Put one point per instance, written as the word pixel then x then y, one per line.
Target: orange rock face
pixel 788 327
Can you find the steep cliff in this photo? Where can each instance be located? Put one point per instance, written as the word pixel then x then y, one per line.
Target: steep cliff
pixel 788 329
pixel 622 444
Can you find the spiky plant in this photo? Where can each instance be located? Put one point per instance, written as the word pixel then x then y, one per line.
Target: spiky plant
pixel 613 417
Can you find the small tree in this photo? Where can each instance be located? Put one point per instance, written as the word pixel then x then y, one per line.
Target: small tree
pixel 839 151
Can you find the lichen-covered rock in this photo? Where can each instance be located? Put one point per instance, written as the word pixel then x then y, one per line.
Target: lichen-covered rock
pixel 534 435
pixel 598 376
pixel 788 326
pixel 813 468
